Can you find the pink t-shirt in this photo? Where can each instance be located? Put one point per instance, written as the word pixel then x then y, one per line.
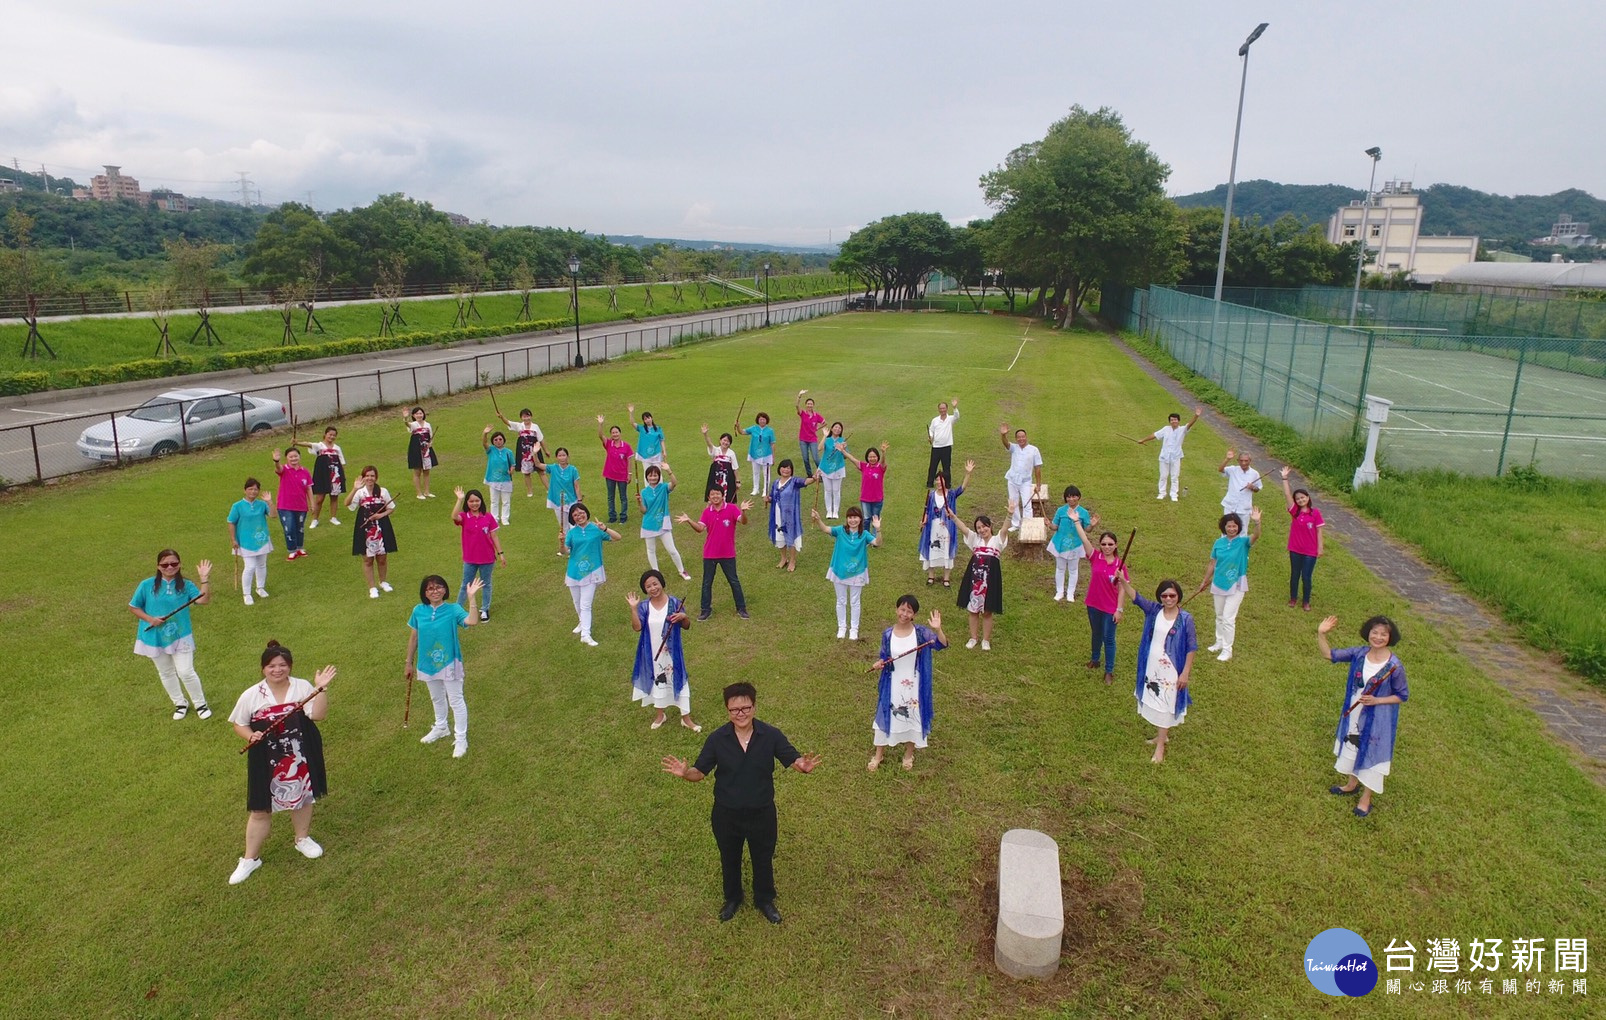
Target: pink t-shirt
pixel 294 485
pixel 1302 530
pixel 872 477
pixel 808 426
pixel 719 542
pixel 1103 593
pixel 477 544
pixel 617 466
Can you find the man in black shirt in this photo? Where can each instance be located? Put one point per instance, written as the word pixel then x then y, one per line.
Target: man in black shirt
pixel 742 755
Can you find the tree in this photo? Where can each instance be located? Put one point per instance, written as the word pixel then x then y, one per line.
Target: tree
pixel 894 255
pixel 290 237
pixel 21 275
pixel 967 263
pixel 1288 253
pixel 1084 204
pixel 193 269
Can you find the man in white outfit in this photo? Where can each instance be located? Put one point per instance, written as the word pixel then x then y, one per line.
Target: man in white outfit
pixel 940 433
pixel 1171 438
pixel 1024 475
pixel 1243 482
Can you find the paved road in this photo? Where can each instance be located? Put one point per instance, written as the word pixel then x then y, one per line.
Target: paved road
pixel 38 434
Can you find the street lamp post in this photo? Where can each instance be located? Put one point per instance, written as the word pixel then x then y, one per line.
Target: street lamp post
pixel 1232 182
pixel 574 296
pixel 1360 250
pixel 766 294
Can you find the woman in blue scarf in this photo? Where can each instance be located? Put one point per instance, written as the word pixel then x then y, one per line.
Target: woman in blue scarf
pixel 1165 667
pixel 1373 693
pixel 659 678
pixel 903 696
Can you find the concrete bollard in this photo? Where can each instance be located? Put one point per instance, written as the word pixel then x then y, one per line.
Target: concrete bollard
pixel 1031 911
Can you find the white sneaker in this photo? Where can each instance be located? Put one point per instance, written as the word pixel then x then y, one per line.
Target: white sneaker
pixel 986 646
pixel 1162 496
pixel 585 639
pixel 1173 499
pixel 436 732
pixel 506 521
pixel 971 643
pixel 576 629
pixel 1215 647
pixel 385 586
pixel 460 748
pixel 249 600
pixel 261 594
pixel 423 497
pixel 1059 596
pixel 314 523
pixel 841 632
pixel 685 576
pixel 334 521
pixel 485 614
pixel 1226 655
pixel 853 635
pixel 309 848
pixel 180 711
pixel 202 711
pixel 244 869
pixel 373 593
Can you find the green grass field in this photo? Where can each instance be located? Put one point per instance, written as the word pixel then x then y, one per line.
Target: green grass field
pixel 80 343
pixel 556 871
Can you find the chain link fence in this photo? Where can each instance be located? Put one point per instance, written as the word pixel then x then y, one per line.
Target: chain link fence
pixel 1475 404
pixel 41 451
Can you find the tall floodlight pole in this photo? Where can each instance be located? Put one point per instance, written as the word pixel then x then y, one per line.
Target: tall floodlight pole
pixel 1232 181
pixel 1360 252
pixel 766 294
pixel 574 291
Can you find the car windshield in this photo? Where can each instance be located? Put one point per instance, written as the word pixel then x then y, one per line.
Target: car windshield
pixel 156 410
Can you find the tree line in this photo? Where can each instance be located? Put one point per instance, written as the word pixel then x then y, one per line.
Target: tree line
pixel 1084 204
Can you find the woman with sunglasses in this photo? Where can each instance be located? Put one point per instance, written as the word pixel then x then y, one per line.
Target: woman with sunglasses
pixel 161 604
pixel 1103 596
pixel 1165 666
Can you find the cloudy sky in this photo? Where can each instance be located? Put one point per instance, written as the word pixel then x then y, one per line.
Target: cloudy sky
pixel 783 122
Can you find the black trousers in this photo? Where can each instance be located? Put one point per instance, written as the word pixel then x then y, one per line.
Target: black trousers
pixel 757 828
pixel 943 457
pixel 728 565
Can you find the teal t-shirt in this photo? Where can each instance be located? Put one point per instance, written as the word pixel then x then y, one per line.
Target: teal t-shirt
pixel 250 520
pixel 1232 561
pixel 438 646
pixel 649 441
pixel 560 483
pixel 851 555
pixel 158 598
pixel 585 550
pixel 654 506
pixel 760 441
pixel 498 464
pixel 1065 536
pixel 831 454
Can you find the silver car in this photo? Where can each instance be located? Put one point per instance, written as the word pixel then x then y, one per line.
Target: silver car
pixel 178 420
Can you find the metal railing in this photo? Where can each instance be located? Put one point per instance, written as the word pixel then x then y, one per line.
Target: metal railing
pixel 41 451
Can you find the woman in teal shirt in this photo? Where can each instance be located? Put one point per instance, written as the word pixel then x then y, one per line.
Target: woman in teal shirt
pixel 1227 577
pixel 435 655
pixel 562 491
pixel 499 461
pixel 849 571
pixel 833 468
pixel 161 604
pixel 656 524
pixel 649 439
pixel 585 572
pixel 760 451
pixel 250 538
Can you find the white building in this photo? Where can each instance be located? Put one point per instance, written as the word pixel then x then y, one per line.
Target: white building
pixel 1391 225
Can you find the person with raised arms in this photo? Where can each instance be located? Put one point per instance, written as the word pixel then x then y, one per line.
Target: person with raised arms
pixel 981 591
pixel 328 476
pixel 373 538
pixel 717 525
pixel 1243 482
pixel 1227 577
pixel 499 462
pixel 940 434
pixel 1066 545
pixel 435 654
pixel 421 458
pixel 722 465
pixel 295 490
pixel 656 524
pixel 1165 660
pixel 872 479
pixel 903 709
pixel 833 468
pixel 785 501
pixel 616 471
pixel 562 491
pixel 1304 541
pixel 1374 690
pixel 1025 474
pixel 1103 597
pixel 529 449
pixel 650 447
pixel 849 571
pixel 481 546
pixel 742 755
pixel 808 432
pixel 938 536
pixel 161 604
pixel 1171 437
pixel 585 571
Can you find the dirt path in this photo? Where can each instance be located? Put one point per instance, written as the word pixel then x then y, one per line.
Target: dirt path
pixel 1574 712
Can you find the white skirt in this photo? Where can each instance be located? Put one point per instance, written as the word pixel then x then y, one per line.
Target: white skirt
pixel 1074 553
pixel 656 458
pixel 663 696
pixel 905 730
pixel 858 580
pixel 1371 778
pixel 597 576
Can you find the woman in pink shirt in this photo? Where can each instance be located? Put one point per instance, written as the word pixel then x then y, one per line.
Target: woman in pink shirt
pixel 1304 541
pixel 616 471
pixel 872 479
pixel 1103 596
pixel 481 547
pixel 295 490
pixel 808 434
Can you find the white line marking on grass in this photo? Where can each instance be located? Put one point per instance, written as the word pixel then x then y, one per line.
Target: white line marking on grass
pixel 1452 389
pixel 1023 338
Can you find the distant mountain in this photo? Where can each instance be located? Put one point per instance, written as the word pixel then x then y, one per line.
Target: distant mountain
pixel 638 241
pixel 1447 208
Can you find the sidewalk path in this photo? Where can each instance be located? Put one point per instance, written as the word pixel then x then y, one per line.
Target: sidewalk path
pixel 1574 712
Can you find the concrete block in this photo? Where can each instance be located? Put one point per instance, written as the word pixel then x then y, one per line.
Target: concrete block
pixel 1031 911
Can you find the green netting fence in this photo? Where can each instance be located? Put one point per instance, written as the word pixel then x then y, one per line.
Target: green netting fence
pixel 1477 404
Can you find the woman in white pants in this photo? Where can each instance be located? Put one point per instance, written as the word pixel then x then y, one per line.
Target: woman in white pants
pixel 656 524
pixel 161 604
pixel 1227 577
pixel 849 571
pixel 585 572
pixel 435 655
pixel 250 539
pixel 833 468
